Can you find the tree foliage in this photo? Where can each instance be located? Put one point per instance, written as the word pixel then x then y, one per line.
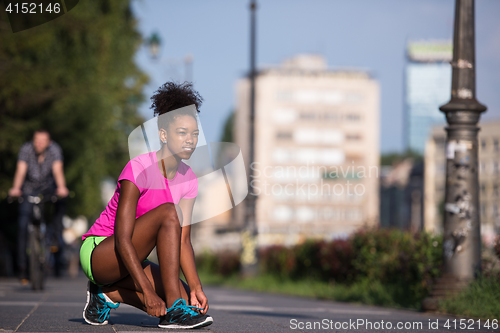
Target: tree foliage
pixel 76 77
pixel 227 133
pixel 392 158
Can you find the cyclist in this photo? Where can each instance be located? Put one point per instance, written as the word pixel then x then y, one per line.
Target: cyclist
pixel 155 193
pixel 39 170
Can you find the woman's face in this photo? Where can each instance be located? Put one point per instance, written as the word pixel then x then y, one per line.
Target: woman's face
pixel 181 136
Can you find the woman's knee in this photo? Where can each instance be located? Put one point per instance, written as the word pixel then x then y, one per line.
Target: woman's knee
pixel 169 213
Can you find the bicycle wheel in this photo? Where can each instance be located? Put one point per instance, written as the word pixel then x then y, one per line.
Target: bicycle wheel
pixel 36 255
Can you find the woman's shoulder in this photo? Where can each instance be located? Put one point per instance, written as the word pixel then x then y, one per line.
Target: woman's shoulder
pixel 139 166
pixel 186 171
pixel 145 160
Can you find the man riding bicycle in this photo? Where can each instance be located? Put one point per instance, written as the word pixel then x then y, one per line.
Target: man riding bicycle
pixel 39 170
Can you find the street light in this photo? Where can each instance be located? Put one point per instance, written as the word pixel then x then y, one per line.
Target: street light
pixel 249 258
pixel 154 42
pixel 461 238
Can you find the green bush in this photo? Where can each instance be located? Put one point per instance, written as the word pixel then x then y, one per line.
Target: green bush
pixel 325 261
pixel 408 261
pixel 374 266
pixel 335 261
pixel 221 263
pixel 393 255
pixel 278 260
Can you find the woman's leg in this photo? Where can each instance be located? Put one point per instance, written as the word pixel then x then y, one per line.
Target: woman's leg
pixel 125 291
pixel 159 227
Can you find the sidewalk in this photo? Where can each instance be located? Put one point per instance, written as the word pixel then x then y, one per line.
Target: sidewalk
pixel 59 309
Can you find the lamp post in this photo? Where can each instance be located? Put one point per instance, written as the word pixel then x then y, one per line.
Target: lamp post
pixel 249 259
pixel 154 45
pixel 461 238
pixel 154 42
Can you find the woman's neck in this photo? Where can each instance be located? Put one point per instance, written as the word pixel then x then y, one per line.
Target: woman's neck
pixel 167 163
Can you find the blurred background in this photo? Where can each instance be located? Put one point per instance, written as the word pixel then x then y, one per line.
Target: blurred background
pixel 341 86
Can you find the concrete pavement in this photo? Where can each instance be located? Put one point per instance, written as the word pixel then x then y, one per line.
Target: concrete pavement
pixel 59 309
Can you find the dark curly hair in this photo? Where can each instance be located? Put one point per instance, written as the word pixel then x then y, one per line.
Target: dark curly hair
pixel 172 96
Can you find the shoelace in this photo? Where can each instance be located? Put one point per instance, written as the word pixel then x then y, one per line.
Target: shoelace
pixel 187 309
pixel 103 313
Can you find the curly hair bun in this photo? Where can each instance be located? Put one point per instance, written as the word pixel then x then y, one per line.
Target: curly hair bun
pixel 174 96
pixel 171 96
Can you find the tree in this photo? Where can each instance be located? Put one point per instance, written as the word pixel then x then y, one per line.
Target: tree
pixel 76 77
pixel 227 134
pixel 392 158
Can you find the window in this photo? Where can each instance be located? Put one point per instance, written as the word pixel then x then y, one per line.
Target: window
pixel 315 136
pixel 328 214
pixel 306 135
pixel 483 144
pixel 495 145
pixel 307 116
pixel 282 213
pixel 284 96
pixel 483 189
pixel 353 137
pixel 331 137
pixel 354 98
pixel 495 190
pixel 353 215
pixel 305 214
pixel 284 116
pixel 331 117
pixel 352 117
pixel 284 136
pixel 281 155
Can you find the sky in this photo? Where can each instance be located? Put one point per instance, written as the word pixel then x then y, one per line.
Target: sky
pixel 361 34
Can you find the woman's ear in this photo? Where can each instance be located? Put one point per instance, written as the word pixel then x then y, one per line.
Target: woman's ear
pixel 163 135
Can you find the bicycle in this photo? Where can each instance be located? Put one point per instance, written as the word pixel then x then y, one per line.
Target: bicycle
pixel 37 249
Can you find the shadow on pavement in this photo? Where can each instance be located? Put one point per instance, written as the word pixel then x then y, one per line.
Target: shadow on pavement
pixel 134 319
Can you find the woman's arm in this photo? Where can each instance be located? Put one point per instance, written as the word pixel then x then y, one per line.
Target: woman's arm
pixel 124 228
pixel 188 264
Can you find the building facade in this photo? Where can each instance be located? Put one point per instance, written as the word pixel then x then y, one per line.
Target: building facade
pixel 489 179
pixel 316 150
pixel 427 87
pixel 401 195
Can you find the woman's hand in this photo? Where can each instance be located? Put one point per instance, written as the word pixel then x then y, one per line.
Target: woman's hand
pixel 199 300
pixel 154 304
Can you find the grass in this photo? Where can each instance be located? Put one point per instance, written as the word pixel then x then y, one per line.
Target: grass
pixel 363 292
pixel 480 300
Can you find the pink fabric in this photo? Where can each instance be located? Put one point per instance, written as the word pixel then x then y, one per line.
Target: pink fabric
pixel 155 190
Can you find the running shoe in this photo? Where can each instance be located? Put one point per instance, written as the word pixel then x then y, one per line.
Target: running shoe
pixel 96 311
pixel 181 315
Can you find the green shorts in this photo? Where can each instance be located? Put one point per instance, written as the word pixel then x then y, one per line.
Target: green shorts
pixel 88 246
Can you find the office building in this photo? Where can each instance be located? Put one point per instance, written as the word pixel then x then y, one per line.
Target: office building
pixel 316 150
pixel 489 179
pixel 427 87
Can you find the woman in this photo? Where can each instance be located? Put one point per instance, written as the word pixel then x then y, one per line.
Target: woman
pixel 154 195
